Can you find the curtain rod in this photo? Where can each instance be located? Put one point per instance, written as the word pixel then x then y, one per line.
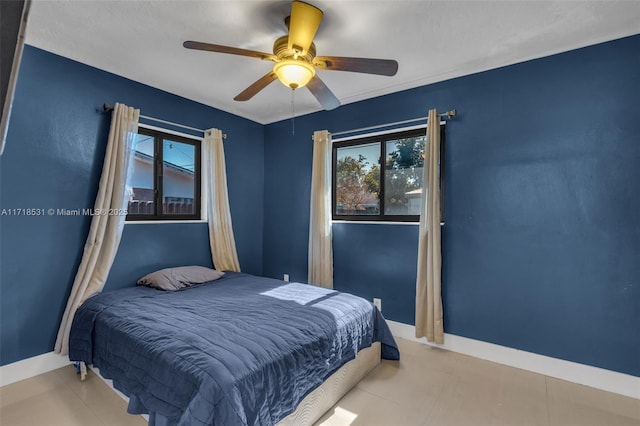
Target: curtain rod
pixel 108 107
pixel 447 115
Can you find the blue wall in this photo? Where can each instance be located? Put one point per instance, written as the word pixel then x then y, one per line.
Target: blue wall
pixel 53 159
pixel 541 247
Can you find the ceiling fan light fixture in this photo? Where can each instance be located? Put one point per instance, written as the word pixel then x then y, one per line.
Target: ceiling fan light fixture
pixel 294 73
pixel 295 58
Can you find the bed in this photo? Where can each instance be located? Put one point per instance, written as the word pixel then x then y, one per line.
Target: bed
pixel 241 350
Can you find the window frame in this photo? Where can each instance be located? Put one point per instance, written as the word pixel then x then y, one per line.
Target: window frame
pixel 382 139
pixel 158 153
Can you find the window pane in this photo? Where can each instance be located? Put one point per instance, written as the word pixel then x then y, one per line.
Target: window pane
pixel 403 176
pixel 178 178
pixel 141 181
pixel 358 180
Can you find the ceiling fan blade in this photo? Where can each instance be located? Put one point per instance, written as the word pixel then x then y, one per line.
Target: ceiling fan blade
pixel 303 24
pixel 322 93
pixel 252 90
pixel 386 67
pixel 230 50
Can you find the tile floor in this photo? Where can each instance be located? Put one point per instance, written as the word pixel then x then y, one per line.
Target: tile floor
pixel 427 387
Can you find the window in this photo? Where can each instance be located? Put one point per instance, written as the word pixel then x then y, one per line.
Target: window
pixel 165 180
pixel 379 178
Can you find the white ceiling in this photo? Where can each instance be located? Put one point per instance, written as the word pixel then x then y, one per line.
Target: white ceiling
pixel 431 40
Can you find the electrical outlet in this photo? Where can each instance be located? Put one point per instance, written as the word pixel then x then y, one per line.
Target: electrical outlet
pixel 378 303
pixel 286 277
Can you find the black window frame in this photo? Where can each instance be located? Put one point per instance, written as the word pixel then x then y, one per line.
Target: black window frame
pixel 159 136
pixel 382 140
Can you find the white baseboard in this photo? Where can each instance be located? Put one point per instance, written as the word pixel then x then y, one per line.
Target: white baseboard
pixel 31 367
pixel 611 381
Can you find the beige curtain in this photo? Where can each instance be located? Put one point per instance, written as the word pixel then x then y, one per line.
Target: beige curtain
pixel 221 239
pixel 105 232
pixel 320 250
pixel 428 296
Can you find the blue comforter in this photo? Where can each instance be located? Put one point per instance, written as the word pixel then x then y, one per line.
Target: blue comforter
pixel 242 350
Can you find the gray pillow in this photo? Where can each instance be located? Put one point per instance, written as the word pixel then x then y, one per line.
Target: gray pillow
pixel 171 279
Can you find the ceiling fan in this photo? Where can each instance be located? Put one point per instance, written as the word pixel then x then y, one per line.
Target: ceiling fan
pixel 296 61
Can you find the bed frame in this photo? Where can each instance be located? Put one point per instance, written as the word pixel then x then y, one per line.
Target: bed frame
pixel 321 399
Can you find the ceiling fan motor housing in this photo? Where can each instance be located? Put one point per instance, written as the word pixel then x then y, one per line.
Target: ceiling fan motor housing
pixel 280 49
pixel 293 69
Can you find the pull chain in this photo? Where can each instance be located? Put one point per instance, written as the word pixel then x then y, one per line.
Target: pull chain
pixel 293 113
